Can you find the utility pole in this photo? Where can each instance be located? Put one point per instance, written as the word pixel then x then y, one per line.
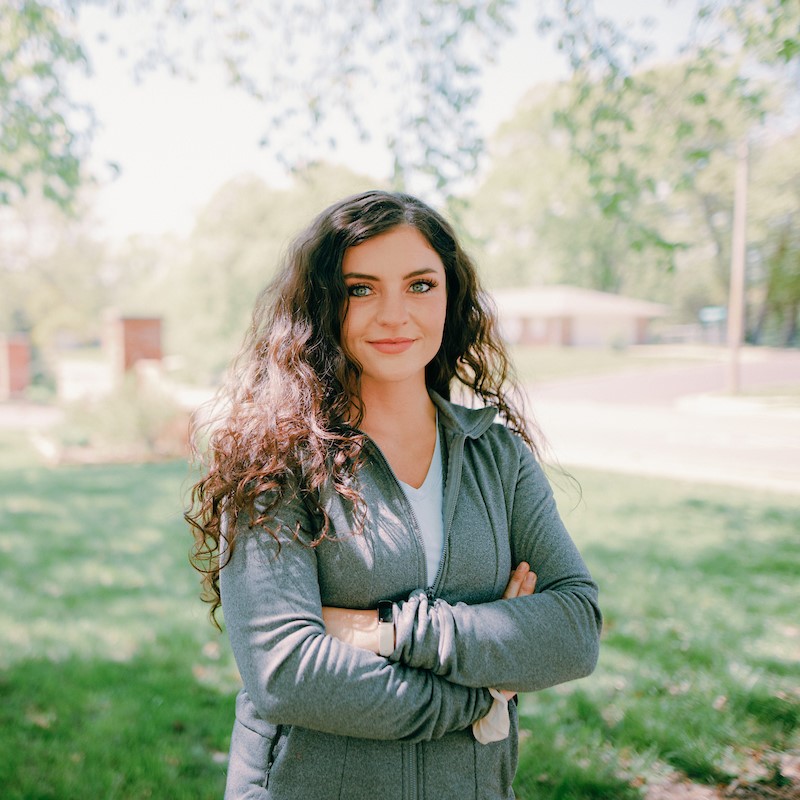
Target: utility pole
pixel 738 247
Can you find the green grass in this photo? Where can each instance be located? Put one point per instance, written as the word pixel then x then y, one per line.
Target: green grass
pixel 538 363
pixel 95 728
pixel 112 682
pixel 787 396
pixel 700 664
pixel 114 685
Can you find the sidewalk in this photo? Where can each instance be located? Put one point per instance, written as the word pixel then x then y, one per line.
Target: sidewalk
pixel 28 416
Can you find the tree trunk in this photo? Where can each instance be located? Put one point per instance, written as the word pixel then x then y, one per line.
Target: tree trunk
pixel 792 312
pixel 757 330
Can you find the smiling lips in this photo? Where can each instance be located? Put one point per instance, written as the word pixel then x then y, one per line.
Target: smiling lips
pixel 391 345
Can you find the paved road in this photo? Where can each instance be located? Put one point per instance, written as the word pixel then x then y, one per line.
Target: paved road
pixel 28 417
pixel 666 421
pixel 664 385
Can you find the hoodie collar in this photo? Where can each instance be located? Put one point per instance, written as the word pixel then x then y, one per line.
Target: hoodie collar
pixel 470 422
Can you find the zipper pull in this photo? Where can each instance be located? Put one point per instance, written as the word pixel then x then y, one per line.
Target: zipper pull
pixel 430 594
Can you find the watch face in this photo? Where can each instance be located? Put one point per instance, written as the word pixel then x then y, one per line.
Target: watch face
pixel 385 611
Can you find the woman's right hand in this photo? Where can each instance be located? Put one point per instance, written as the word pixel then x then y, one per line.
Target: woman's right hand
pixel 522 582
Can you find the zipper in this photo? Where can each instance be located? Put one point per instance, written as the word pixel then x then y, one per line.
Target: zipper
pixel 411 777
pixel 454 464
pixel 404 500
pixel 272 755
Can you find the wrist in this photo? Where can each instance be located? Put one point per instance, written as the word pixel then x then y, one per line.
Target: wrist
pixel 386 632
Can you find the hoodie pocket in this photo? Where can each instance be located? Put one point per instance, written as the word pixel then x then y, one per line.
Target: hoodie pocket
pixel 448 767
pixel 248 763
pixel 307 764
pixel 374 769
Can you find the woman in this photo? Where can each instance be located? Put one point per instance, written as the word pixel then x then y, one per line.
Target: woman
pixel 344 488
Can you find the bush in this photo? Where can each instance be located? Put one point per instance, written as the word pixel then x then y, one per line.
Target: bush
pixel 136 422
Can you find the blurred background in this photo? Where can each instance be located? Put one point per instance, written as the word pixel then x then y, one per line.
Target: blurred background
pixel 627 177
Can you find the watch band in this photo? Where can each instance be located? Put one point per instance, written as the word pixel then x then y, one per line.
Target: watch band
pixel 385 628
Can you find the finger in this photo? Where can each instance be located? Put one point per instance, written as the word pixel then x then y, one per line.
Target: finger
pixel 528 585
pixel 515 583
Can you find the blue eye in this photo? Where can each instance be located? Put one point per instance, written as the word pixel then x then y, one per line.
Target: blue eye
pixel 359 290
pixel 421 287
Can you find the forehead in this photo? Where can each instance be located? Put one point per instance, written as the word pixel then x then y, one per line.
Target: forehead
pixel 397 252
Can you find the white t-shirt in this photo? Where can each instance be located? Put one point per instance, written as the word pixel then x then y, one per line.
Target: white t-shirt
pixel 427 503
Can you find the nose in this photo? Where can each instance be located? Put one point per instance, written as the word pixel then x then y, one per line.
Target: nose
pixel 392 310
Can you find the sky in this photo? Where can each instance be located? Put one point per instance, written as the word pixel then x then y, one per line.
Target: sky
pixel 176 141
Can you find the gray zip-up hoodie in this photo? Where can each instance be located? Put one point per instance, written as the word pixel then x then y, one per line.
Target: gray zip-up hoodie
pixel 319 719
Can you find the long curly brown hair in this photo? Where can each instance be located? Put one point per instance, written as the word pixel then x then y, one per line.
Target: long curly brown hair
pixel 285 420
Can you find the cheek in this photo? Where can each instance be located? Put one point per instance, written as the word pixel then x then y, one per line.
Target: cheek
pixel 350 328
pixel 441 316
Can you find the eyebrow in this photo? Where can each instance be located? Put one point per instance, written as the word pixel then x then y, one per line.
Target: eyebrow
pixel 364 277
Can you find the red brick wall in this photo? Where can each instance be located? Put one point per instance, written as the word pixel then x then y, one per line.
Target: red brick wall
pixel 15 365
pixel 134 339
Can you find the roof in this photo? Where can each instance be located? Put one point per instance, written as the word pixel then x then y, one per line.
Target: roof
pixel 571 301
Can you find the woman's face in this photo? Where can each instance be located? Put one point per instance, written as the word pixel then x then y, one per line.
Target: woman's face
pixel 397 304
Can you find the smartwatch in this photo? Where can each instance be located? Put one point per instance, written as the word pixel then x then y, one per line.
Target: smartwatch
pixel 385 628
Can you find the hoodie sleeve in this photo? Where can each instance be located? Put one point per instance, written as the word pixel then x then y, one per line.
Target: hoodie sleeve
pixel 524 644
pixel 295 674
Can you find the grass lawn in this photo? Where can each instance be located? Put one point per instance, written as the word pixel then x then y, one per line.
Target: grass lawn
pixel 113 684
pixel 538 363
pixel 699 674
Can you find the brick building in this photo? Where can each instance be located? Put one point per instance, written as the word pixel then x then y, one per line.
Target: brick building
pixel 15 365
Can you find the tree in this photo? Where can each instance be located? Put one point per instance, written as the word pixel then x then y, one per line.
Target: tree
pixel 405 71
pixel 781 303
pixel 774 247
pixel 43 133
pixel 207 287
pixel 534 217
pixel 536 220
pixel 738 44
pixel 52 273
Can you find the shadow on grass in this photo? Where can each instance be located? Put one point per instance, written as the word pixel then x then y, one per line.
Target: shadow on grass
pixel 95 729
pixel 577 741
pixel 565 756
